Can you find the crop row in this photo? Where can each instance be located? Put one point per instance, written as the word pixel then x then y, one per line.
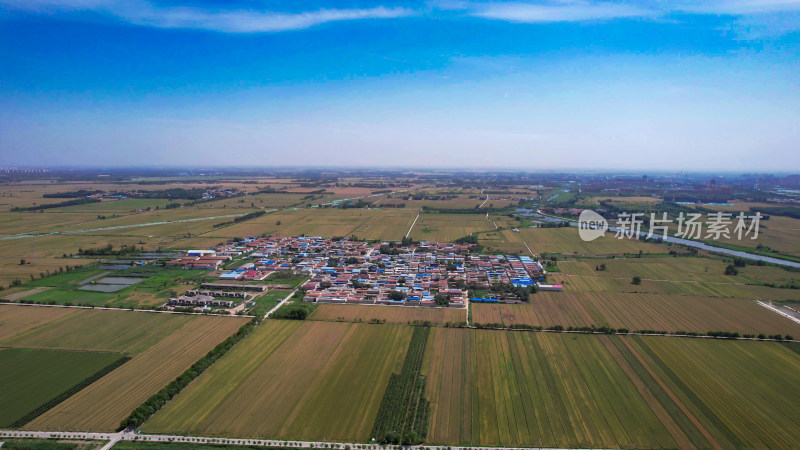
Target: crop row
pixel 404 411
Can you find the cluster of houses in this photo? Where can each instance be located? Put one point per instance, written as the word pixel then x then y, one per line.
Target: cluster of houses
pixel 350 271
pixel 199 259
pixel 203 299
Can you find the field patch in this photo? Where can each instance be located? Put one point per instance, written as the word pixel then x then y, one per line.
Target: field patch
pixel 391 314
pixel 530 389
pixel 567 241
pixel 449 227
pixel 31 378
pixel 23 293
pixel 744 393
pixel 102 405
pixel 294 380
pixel 638 312
pixel 364 223
pixel 15 320
pixel 404 411
pixel 102 330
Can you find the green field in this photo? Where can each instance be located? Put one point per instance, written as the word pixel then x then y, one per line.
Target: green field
pixel 566 241
pixel 638 311
pixel 337 378
pixel 30 378
pixel 449 227
pixel 292 380
pixel 744 393
pixel 101 330
pixel 389 224
pixel 160 354
pixel 157 285
pixel 500 388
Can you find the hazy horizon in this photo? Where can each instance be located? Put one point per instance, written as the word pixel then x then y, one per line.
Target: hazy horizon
pixel 541 85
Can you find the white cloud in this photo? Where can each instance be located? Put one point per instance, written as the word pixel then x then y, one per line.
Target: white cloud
pixel 735 7
pixel 562 11
pixel 543 11
pixel 141 12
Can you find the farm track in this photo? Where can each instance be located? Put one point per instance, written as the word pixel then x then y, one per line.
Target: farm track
pixel 412 224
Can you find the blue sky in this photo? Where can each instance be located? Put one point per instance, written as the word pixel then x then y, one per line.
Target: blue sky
pixel 560 84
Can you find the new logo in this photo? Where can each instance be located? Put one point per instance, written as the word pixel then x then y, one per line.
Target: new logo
pixel 591 225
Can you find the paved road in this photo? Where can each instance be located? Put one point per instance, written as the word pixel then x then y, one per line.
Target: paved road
pixel 785 312
pixel 113 438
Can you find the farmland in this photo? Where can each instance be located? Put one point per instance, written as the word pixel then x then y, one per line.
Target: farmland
pixel 103 404
pixel 365 224
pixel 638 312
pixel 675 276
pixel 30 378
pixel 403 415
pixel 670 269
pixel 449 227
pixel 753 405
pixel 134 286
pixel 310 380
pixel 566 241
pixel 116 331
pixel 391 314
pixel 15 320
pixel 350 372
pixel 734 288
pixel 531 389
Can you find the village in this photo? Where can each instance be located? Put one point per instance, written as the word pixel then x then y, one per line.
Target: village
pixel 340 270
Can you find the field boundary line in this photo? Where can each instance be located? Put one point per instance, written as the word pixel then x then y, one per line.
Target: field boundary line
pixel 631 333
pixel 656 279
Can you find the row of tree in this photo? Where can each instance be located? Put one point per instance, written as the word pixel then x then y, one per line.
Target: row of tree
pixel 158 400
